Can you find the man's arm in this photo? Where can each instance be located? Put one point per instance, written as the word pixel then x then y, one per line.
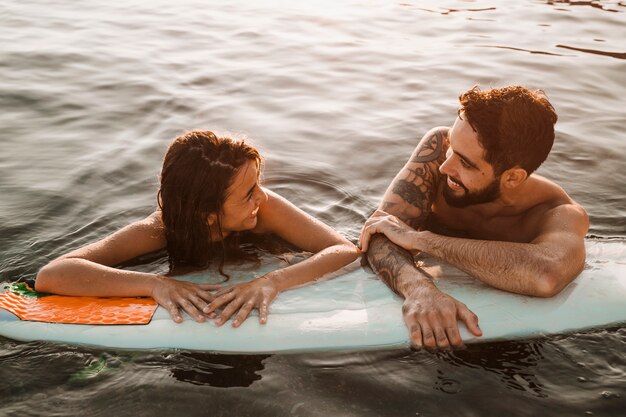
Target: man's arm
pixel 411 193
pixel 541 268
pixel 430 315
pixel 409 197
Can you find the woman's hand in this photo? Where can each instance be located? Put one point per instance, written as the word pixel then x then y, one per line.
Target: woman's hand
pixel 244 297
pixel 395 229
pixel 174 295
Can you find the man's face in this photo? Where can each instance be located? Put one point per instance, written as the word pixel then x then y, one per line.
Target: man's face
pixel 469 178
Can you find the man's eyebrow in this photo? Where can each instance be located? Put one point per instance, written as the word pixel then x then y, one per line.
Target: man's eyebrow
pixel 466 159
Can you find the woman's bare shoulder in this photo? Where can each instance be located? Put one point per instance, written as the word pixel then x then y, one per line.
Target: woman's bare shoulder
pixel 270 210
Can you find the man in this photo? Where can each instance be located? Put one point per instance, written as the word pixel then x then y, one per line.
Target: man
pixel 468 196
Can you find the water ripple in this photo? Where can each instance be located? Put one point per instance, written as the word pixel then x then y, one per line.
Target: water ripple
pixel 618 55
pixel 336 95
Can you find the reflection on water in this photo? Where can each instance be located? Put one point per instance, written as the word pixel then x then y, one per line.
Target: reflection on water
pixel 445 11
pixel 522 49
pixel 568 375
pixel 216 370
pixel 598 4
pixel 512 362
pixel 618 55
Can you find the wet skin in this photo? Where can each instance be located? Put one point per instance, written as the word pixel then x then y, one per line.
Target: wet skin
pixel 517 229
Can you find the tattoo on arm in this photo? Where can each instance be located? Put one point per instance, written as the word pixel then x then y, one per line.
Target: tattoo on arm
pixel 409 197
pixel 388 260
pixel 432 148
pixel 412 191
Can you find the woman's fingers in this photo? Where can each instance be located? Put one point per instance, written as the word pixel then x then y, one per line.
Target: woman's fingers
pixel 210 287
pixel 200 301
pixel 228 311
pixel 191 309
pixel 225 291
pixel 174 312
pixel 175 295
pixel 200 298
pixel 194 300
pixel 243 313
pixel 264 311
pixel 218 302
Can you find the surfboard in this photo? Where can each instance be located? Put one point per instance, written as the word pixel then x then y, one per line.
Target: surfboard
pixel 356 311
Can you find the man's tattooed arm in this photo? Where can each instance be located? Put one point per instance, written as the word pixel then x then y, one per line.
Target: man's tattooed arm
pixel 388 261
pixel 430 315
pixel 409 197
pixel 412 191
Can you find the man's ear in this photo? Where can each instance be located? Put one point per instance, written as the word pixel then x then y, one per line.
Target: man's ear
pixel 513 177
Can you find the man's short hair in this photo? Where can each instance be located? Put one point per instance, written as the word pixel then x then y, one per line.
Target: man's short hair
pixel 515 125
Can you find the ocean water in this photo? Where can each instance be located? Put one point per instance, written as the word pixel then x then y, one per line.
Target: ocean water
pixel 335 94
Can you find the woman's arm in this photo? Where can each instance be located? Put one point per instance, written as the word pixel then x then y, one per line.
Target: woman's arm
pixel 280 217
pixel 89 271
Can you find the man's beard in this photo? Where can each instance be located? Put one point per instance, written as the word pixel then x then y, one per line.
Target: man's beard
pixel 485 195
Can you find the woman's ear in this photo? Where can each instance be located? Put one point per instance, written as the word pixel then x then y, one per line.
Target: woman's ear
pixel 513 177
pixel 211 219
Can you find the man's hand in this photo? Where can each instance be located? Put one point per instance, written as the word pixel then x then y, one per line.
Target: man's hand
pixel 431 317
pixel 174 295
pixel 392 227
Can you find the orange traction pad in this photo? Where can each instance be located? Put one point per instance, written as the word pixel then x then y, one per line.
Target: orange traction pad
pixel 79 310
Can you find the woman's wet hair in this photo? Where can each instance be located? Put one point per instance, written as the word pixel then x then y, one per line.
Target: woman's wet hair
pixel 198 168
pixel 515 125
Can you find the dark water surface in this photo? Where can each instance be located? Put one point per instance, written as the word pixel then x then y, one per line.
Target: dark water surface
pixel 335 94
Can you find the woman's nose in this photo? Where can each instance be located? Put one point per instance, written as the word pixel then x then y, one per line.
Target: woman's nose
pixel 261 196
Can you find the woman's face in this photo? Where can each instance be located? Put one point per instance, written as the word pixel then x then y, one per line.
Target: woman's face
pixel 243 198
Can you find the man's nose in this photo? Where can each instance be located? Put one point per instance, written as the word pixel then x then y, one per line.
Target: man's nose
pixel 445 167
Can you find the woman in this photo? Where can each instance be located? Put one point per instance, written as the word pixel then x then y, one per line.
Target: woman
pixel 209 193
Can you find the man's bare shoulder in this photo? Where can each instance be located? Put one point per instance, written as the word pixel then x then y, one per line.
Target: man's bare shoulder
pixel 553 206
pixel 548 193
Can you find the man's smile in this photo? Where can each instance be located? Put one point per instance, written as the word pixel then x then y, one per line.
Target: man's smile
pixel 455 184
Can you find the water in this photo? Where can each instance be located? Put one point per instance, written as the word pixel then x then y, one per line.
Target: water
pixel 335 94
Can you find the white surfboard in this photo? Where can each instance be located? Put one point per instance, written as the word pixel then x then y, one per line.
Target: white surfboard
pixel 357 311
